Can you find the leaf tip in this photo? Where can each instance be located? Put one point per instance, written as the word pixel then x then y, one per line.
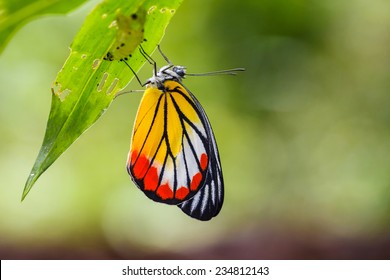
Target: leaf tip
pixel 29 183
pixel 24 194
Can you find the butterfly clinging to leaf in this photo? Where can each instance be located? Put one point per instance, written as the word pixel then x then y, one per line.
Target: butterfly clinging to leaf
pixel 173 156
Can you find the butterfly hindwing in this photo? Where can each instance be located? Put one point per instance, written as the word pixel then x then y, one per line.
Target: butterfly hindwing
pixel 207 203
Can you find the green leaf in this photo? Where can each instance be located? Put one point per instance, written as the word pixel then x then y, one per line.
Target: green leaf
pixel 87 84
pixel 15 13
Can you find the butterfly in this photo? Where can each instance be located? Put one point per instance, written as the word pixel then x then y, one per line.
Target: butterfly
pixel 173 156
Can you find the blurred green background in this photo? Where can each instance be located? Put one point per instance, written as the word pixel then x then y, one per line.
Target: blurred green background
pixel 304 138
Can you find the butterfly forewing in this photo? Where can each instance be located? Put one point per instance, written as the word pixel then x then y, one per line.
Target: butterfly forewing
pixel 170 152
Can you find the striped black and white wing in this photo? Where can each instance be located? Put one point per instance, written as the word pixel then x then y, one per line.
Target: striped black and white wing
pixel 207 203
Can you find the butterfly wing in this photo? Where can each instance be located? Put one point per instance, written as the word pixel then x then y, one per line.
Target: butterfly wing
pixel 207 203
pixel 170 151
pixel 173 157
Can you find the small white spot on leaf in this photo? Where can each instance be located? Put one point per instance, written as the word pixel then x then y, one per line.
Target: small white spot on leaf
pixel 151 9
pixel 102 82
pixel 112 86
pixel 95 63
pixel 113 24
pixel 61 94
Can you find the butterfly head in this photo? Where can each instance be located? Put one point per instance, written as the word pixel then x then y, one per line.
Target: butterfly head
pixel 179 70
pixel 168 72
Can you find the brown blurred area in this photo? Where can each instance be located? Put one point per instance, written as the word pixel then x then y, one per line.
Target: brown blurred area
pixel 251 244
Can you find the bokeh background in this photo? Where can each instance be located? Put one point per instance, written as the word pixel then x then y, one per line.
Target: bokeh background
pixel 304 138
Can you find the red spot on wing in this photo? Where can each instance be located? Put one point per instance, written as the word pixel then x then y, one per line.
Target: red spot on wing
pixel 181 193
pixel 140 167
pixel 164 191
pixel 151 179
pixel 196 181
pixel 204 160
pixel 134 155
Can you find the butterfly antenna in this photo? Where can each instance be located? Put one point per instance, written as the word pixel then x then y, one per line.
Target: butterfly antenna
pixel 221 72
